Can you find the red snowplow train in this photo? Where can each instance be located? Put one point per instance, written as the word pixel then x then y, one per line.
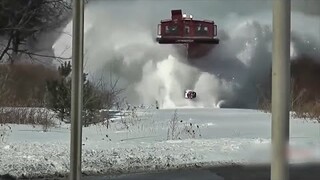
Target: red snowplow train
pixel 198 36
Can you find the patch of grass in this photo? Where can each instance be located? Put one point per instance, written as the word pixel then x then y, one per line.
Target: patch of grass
pixel 179 129
pixel 28 116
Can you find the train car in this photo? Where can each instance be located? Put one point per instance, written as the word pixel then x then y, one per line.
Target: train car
pixel 197 36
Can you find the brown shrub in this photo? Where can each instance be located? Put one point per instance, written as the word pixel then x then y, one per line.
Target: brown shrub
pixel 305 89
pixel 306 73
pixel 25 84
pixel 28 116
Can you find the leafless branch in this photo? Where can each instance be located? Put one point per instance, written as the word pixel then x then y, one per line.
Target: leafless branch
pixel 5 50
pixel 40 55
pixel 24 19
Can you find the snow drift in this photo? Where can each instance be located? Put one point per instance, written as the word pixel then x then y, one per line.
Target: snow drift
pixel 224 137
pixel 119 41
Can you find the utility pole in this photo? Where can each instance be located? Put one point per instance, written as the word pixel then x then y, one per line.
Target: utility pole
pixel 77 89
pixel 280 89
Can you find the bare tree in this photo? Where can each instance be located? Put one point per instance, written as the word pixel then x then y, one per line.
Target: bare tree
pixel 4 77
pixel 22 20
pixel 100 94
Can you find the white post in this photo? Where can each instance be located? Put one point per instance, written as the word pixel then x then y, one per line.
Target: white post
pixel 280 89
pixel 77 90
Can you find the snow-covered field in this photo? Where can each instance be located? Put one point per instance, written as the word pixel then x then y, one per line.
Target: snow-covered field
pixel 221 136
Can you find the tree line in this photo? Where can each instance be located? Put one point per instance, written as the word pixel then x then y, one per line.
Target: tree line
pixel 34 85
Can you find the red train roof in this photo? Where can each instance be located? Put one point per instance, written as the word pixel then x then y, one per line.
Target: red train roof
pixel 177 15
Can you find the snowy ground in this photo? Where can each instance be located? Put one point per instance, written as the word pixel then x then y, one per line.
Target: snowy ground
pixel 221 136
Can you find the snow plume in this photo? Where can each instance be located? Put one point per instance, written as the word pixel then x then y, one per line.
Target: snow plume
pixel 120 41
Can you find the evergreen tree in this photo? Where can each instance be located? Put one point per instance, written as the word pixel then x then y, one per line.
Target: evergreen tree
pixel 94 98
pixel 59 92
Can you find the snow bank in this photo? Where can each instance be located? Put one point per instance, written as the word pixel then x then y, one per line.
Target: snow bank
pixel 39 160
pixel 229 136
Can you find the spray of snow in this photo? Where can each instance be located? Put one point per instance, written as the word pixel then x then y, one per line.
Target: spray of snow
pixel 122 45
